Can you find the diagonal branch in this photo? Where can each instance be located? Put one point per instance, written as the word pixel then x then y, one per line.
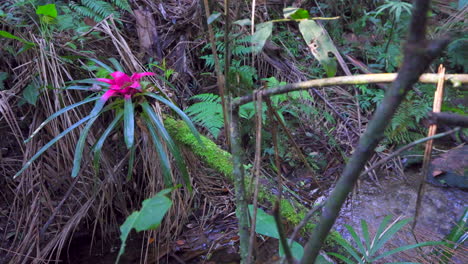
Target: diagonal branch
pixel 418 55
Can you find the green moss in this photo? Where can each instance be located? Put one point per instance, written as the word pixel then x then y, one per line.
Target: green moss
pixel 209 152
pixel 220 160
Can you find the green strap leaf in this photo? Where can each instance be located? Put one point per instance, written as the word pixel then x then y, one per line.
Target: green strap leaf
pixel 179 112
pixel 166 167
pixel 116 64
pixel 408 247
pixel 6 34
pixel 341 257
pixel 90 81
pixel 129 122
pixel 102 64
pixel 381 229
pixel 84 133
pixel 358 241
pixel 388 233
pixel 349 249
pixel 170 143
pixel 365 234
pixel 131 162
pixel 98 146
pixel 49 144
pixel 61 111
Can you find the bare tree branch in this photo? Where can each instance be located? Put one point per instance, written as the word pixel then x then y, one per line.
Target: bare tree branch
pixel 417 57
pixel 449 119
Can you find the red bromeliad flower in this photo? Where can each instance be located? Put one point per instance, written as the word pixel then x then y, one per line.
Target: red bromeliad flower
pixel 123 85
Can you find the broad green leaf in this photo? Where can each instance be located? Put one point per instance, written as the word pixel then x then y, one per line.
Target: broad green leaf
pixel 129 123
pixel 266 225
pixel 49 144
pixel 243 22
pixel 61 111
pixel 179 112
pixel 83 135
pixel 213 17
pixel 262 33
pixel 3 77
pixel 11 36
pixel 148 218
pixel 297 250
pixel 165 164
pixel 320 45
pixel 31 94
pixel 47 10
pixel 295 13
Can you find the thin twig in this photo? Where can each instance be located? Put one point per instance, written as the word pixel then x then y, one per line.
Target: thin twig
pixel 282 237
pixel 449 119
pixel 304 221
pixel 410 145
pixel 219 75
pixel 293 142
pixel 257 163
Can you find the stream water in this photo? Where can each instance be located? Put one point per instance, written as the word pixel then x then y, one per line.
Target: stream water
pixel 441 208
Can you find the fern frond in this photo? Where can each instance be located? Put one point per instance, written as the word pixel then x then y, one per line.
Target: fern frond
pixel 85 11
pixel 101 8
pixel 207 113
pixel 122 4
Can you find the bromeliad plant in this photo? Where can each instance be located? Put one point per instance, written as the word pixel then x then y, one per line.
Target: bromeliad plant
pixel 130 94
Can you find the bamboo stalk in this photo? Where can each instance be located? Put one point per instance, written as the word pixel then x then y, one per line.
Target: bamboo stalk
pixel 436 107
pixel 455 79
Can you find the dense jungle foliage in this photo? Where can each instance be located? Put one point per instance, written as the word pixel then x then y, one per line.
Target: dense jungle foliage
pixel 122 114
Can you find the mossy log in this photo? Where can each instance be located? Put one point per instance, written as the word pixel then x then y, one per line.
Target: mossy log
pixel 220 160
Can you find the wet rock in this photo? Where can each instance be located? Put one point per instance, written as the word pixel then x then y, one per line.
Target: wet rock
pixel 450 169
pixel 440 209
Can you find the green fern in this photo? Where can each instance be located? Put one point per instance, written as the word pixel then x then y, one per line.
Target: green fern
pixel 208 112
pixel 122 4
pixel 98 10
pixel 404 126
